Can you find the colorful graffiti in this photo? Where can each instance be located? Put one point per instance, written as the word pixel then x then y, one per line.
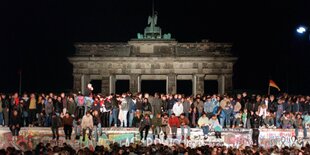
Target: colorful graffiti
pixel 281 137
pixel 30 137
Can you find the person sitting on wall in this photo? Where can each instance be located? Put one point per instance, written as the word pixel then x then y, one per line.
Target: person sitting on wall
pixel 165 125
pixel 204 123
pixel 15 124
pixel 145 124
pixel 156 125
pixel 298 124
pixel 174 124
pixel 184 123
pixel 216 126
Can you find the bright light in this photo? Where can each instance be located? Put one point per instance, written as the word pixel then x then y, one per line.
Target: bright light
pixel 301 29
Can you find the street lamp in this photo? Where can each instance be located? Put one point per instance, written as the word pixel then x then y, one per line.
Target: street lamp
pixel 302 30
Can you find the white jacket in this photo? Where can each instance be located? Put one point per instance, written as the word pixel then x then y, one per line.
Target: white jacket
pixel 177 109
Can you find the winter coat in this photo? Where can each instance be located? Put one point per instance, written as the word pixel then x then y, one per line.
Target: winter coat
pixel 156 121
pixel 199 105
pixel 184 120
pixel 136 121
pixel 67 121
pixel 156 106
pixel 203 121
pixel 186 107
pixel 177 109
pixel 87 122
pixel 174 122
pixel 71 107
pixel 56 121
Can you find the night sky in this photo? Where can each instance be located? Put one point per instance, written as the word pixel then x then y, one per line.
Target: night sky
pixel 38 36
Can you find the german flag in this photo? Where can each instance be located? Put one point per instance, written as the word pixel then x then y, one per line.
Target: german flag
pixel 273 84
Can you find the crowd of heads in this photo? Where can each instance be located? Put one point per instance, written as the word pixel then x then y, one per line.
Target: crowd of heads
pixel 157 149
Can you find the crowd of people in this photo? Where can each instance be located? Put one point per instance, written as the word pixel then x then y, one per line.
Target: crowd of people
pixel 158 112
pixel 158 149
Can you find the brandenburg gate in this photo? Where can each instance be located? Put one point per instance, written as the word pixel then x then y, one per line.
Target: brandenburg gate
pixel 153 56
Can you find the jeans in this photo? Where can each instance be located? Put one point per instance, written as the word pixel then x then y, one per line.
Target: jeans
pixel 205 129
pixel 227 119
pixel 131 115
pixel 278 121
pixel 304 130
pixel 6 116
pixel 96 130
pixel 156 130
pixel 188 130
pixel 169 112
pixel 77 130
pixel 114 117
pixel 146 128
pixel 1 118
pixel 221 120
pixel 255 136
pixel 89 133
pixel 124 121
pixel 236 121
pixel 106 119
pixel 186 114
pixel 174 130
pixel 55 133
pixel 48 120
pixel 32 116
pixel 68 131
pixel 15 131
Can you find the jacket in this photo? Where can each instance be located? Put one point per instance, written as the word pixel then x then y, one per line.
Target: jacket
pixel 87 122
pixel 184 120
pixel 67 121
pixel 156 121
pixel 203 121
pixel 174 122
pixel 177 109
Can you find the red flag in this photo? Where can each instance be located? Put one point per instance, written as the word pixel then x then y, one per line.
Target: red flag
pixel 273 84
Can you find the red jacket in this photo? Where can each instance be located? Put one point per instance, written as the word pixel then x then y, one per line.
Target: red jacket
pixel 174 121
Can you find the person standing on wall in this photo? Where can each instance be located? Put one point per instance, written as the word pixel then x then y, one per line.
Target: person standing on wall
pixel 68 124
pixel 56 123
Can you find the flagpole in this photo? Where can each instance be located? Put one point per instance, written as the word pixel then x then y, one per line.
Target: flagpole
pixel 20 82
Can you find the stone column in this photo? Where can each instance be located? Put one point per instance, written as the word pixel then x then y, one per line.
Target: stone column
pixel 198 84
pixel 194 85
pixel 171 84
pixel 134 83
pixel 228 82
pixel 77 82
pixel 139 83
pixel 221 84
pixel 85 79
pixel 112 81
pixel 105 85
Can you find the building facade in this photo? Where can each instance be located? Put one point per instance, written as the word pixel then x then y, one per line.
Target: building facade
pixel 153 56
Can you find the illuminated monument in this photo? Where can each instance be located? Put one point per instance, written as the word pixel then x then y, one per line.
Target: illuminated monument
pixel 153 56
